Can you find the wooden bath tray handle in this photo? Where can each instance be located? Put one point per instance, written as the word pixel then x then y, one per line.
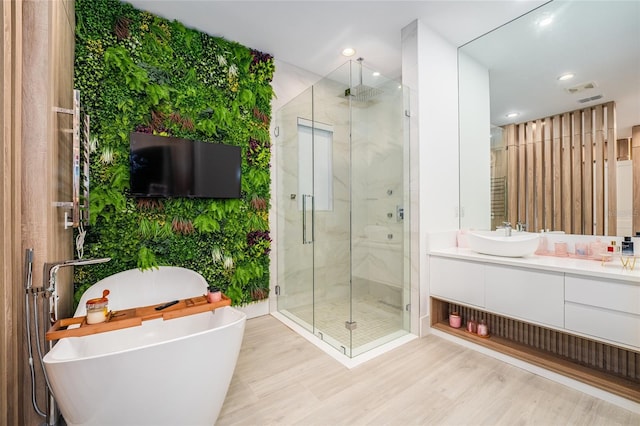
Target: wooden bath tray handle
pixel 126 318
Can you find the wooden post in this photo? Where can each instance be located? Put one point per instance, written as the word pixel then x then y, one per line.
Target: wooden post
pixel 548 176
pixel 539 201
pixel 567 222
pixel 576 144
pixel 512 173
pixel 599 170
pixel 587 172
pixel 612 169
pixel 635 157
pixel 522 173
pixel 557 175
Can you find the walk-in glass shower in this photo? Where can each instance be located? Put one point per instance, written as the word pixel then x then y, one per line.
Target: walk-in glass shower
pixel 342 175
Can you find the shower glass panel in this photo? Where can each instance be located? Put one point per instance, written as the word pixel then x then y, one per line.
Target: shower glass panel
pixel 342 236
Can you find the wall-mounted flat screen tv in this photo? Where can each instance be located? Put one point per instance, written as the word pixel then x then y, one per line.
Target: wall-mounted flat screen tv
pixel 163 166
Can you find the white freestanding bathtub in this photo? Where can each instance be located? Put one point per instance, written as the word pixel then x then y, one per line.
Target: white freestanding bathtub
pixel 173 372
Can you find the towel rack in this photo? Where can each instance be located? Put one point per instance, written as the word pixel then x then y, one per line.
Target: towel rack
pixel 79 204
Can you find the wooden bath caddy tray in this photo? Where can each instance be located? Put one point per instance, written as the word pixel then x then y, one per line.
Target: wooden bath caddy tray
pixel 133 317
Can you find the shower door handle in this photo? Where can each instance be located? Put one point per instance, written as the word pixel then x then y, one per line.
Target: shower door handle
pixel 304 219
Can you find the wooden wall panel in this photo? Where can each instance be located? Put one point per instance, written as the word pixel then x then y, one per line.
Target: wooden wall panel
pixel 612 194
pixel 12 366
pixel 599 170
pixel 539 201
pixel 521 177
pixel 512 166
pixel 559 172
pixel 530 178
pixel 635 157
pixel 47 48
pixel 576 180
pixel 567 224
pixel 548 176
pixel 588 171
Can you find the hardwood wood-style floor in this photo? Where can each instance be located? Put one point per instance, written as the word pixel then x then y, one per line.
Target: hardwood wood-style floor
pixel 282 379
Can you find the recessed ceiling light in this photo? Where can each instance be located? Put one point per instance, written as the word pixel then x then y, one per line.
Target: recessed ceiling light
pixel 349 51
pixel 545 20
pixel 512 115
pixel 376 74
pixel 567 76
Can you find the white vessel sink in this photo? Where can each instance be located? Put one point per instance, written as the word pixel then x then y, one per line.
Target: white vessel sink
pixel 496 243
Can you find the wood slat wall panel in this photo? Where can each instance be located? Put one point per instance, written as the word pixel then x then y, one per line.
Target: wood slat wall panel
pixel 635 157
pixel 599 170
pixel 519 180
pixel 548 177
pixel 530 179
pixel 588 171
pixel 597 355
pixel 612 194
pixel 512 166
pixel 12 365
pixel 559 172
pixel 576 181
pixel 567 223
pixel 539 201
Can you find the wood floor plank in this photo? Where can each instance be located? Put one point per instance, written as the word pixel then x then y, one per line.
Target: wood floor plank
pixel 282 379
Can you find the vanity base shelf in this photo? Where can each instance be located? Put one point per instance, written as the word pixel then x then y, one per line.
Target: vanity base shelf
pixel 626 387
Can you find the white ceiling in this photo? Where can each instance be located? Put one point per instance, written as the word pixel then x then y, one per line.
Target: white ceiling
pixel 311 35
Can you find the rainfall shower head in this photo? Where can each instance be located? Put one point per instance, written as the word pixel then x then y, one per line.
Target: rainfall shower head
pixel 361 92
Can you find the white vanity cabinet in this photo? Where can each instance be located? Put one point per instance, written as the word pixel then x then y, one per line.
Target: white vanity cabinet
pixel 604 309
pixel 457 280
pixel 533 296
pixel 579 297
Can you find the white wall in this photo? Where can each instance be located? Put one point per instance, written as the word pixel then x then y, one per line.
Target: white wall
pixel 430 70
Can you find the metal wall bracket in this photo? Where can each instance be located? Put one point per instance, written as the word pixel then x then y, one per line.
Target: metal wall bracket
pixel 350 325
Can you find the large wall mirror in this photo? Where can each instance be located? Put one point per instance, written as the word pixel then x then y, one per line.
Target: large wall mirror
pixel 550 121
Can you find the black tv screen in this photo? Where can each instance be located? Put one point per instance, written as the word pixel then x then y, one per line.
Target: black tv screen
pixel 163 166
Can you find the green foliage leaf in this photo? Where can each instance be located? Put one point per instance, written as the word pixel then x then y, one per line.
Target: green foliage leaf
pixel 206 223
pixel 146 259
pixel 163 78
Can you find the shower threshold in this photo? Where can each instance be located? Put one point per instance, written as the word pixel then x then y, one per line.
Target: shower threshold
pixel 367 351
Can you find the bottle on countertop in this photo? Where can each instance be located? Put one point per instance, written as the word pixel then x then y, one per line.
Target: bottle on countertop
pixel 627 246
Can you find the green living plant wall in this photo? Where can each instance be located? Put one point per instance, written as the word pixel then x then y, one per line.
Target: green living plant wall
pixel 139 72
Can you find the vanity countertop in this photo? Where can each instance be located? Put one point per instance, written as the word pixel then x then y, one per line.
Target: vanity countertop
pixel 569 265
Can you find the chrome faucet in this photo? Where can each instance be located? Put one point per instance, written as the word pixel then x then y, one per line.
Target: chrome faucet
pixel 521 227
pixel 51 269
pixel 507 228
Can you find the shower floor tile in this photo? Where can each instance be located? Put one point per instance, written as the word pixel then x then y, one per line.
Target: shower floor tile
pixel 375 320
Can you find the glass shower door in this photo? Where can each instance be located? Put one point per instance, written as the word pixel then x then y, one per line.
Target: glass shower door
pixel 294 218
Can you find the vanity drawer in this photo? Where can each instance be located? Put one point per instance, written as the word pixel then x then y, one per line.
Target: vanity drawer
pixel 616 295
pixel 529 295
pixel 457 280
pixel 613 326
